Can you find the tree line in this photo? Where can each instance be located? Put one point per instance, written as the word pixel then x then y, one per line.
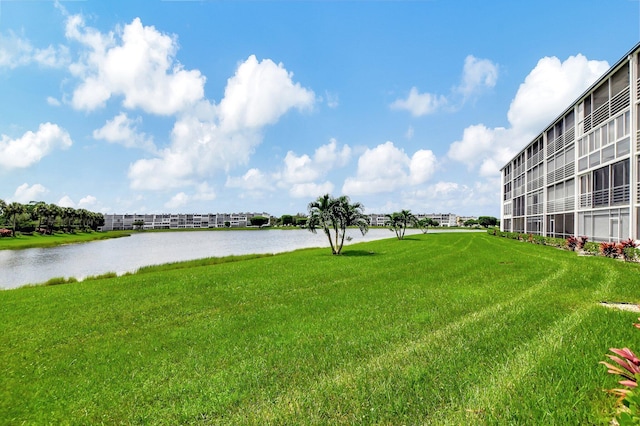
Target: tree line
pixel 38 216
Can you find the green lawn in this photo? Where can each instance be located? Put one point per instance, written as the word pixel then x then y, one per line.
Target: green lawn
pixel 37 240
pixel 436 329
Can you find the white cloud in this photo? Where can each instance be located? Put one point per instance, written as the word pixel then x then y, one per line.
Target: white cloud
pixel 210 139
pixel 53 101
pixel 300 173
pixel 419 104
pixel 252 180
pixel 477 74
pixel 87 201
pixel 333 100
pixel 123 130
pixel 66 201
pixel 259 94
pixel 409 133
pixel 549 88
pixel 545 93
pixel 138 63
pixel 202 192
pixel 25 193
pixel 16 52
pixel 386 168
pixel 31 147
pixel 310 189
pixel 180 199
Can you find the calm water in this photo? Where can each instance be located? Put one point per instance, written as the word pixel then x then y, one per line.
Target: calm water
pixel 120 255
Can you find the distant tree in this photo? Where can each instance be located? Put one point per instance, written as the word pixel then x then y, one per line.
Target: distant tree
pixel 227 224
pixel 12 211
pixel 3 206
pixel 138 224
pixel 333 216
pixel 40 211
pixel 425 223
pixel 487 221
pixel 259 220
pixel 301 221
pixel 470 222
pixel 53 211
pixel 399 221
pixel 286 220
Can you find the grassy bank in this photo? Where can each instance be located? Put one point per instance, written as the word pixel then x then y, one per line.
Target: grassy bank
pixel 436 329
pixel 36 240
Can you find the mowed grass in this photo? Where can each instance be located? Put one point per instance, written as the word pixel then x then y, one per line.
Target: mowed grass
pixel 436 329
pixel 36 240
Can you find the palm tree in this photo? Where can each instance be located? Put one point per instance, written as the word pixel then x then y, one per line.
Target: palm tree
pixel 12 211
pixel 398 222
pixel 335 215
pixel 425 223
pixel 40 210
pixel 68 215
pixel 351 215
pixel 53 211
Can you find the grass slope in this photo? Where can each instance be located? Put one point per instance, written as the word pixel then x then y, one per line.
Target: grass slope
pixel 436 329
pixel 36 240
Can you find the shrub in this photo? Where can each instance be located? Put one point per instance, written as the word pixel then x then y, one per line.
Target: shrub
pixel 628 368
pixel 628 249
pixel 581 242
pixel 609 249
pixel 593 248
pixel 61 280
pixel 572 243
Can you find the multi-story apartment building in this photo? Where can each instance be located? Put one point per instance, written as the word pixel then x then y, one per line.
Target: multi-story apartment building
pixel 444 219
pixel 178 221
pixel 580 176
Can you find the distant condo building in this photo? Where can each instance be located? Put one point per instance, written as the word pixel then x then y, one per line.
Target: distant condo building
pixel 444 219
pixel 121 222
pixel 581 175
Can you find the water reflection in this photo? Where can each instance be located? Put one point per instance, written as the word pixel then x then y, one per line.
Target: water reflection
pixel 120 255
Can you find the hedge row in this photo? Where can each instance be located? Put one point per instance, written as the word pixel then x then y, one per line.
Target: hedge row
pixel 624 250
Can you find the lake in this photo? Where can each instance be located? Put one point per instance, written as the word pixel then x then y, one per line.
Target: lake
pixel 127 254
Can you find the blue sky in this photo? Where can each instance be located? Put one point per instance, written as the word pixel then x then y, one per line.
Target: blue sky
pixel 228 106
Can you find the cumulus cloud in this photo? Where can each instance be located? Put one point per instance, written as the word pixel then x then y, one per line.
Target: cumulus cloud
pixel 203 192
pixel 386 168
pixel 26 193
pixel 87 201
pixel 477 74
pixel 259 94
pixel 549 88
pixel 66 201
pixel 16 52
pixel 210 139
pixel 32 146
pixel 53 101
pixel 180 199
pixel 419 104
pixel 544 94
pixel 252 180
pixel 123 130
pixel 136 62
pixel 301 173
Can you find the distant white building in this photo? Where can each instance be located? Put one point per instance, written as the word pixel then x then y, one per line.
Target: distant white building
pixel 123 222
pixel 444 219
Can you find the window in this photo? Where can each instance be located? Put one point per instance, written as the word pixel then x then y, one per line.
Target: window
pixel 620 173
pixel 601 95
pixel 587 105
pixel 620 80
